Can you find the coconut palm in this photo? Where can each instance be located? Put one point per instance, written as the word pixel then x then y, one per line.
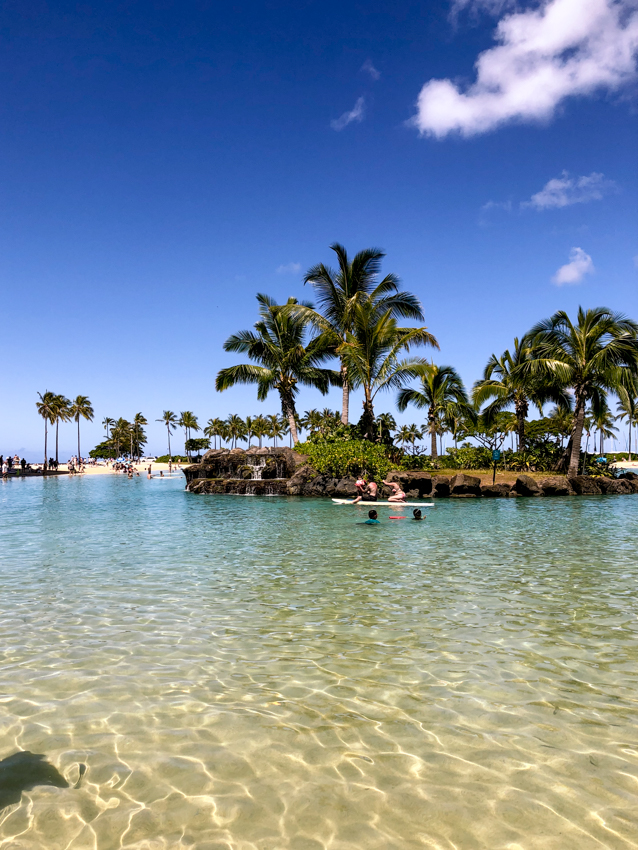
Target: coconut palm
pixel 107 424
pixel 628 409
pixel 121 434
pixel 441 390
pixel 403 436
pixel 248 423
pixel 504 382
pixel 340 291
pixel 285 362
pixel 170 420
pixel 46 409
pixel 213 430
pixel 603 420
pixel 236 428
pixel 139 420
pixel 311 420
pixel 414 434
pixel 62 407
pixel 188 421
pixel 588 358
pixel 386 424
pixel 81 407
pixel 372 352
pixel 260 428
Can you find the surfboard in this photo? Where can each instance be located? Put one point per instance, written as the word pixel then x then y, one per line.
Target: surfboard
pixel 394 504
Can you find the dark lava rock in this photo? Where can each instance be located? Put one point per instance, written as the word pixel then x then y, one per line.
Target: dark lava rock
pixel 414 483
pixel 556 485
pixel 495 491
pixel 465 485
pixel 440 486
pixel 585 485
pixel 527 486
pixel 615 486
pixel 346 488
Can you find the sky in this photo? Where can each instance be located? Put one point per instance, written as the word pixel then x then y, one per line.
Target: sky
pixel 161 163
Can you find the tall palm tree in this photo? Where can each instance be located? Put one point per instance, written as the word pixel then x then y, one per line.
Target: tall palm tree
pixel 81 407
pixel 604 423
pixel 371 353
pixel 403 435
pixel 62 407
pixel 213 430
pixel 236 428
pixel 415 434
pixel 277 430
pixel 46 409
pixel 588 357
pixel 311 420
pixel 107 424
pixel 188 421
pixel 386 424
pixel 248 424
pixel 504 382
pixel 121 434
pixel 138 421
pixel 285 362
pixel 441 391
pixel 170 420
pixel 628 409
pixel 340 291
pixel 260 428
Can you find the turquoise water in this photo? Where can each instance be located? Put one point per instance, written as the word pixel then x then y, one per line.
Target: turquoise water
pixel 241 673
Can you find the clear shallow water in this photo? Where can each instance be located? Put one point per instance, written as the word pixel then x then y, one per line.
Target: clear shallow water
pixel 241 673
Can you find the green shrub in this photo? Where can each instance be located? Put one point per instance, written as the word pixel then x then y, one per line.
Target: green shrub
pixel 341 459
pixel 175 458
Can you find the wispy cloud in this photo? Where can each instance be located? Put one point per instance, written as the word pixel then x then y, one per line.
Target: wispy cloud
pixel 565 190
pixel 357 113
pixel 543 55
pixel 368 68
pixel 289 268
pixel 575 270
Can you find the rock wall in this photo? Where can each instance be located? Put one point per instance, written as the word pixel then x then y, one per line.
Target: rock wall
pixel 287 473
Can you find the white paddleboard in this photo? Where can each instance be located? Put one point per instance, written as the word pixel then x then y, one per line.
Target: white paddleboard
pixel 394 504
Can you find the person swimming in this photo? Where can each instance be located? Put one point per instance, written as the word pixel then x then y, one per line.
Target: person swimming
pixel 372 519
pixel 416 514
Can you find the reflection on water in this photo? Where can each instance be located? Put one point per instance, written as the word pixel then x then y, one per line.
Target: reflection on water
pixel 245 673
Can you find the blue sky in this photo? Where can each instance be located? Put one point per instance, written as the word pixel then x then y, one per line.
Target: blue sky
pixel 161 163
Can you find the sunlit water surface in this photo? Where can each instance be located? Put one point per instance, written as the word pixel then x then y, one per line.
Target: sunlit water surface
pixel 241 673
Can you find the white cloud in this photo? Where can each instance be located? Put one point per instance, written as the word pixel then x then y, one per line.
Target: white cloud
pixel 575 270
pixel 490 7
pixel 562 48
pixel 289 268
pixel 368 68
pixel 357 113
pixel 565 190
pixel 497 205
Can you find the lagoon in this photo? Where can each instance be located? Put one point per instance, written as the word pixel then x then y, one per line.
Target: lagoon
pixel 244 673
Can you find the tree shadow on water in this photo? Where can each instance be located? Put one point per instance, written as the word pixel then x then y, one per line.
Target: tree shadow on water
pixel 22 771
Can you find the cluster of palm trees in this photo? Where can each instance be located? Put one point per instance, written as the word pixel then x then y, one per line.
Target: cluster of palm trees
pixel 124 436
pixel 575 365
pixel 55 408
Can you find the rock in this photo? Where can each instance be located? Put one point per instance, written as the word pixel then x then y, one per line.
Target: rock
pixel 414 482
pixel 495 491
pixel 629 476
pixel 556 485
pixel 615 486
pixel 440 486
pixel 526 486
pixel 585 485
pixel 346 488
pixel 302 476
pixel 465 485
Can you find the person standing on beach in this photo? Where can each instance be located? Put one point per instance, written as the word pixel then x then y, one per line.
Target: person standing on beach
pixel 5 469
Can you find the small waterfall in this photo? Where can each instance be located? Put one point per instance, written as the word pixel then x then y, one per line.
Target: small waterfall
pixel 257 468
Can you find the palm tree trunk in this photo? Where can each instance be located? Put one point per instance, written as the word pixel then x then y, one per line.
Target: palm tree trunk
pixel 57 423
pixel 432 427
pixel 44 467
pixel 345 395
pixel 522 408
pixel 170 456
pixel 576 436
pixel 602 441
pixel 79 441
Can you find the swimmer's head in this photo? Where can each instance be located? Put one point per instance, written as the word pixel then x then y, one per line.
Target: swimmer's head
pixel 416 513
pixel 372 514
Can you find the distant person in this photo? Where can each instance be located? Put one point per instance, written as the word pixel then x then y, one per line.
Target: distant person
pixel 5 469
pixel 9 462
pixel 161 473
pixel 23 464
pixel 397 493
pixel 372 518
pixel 416 514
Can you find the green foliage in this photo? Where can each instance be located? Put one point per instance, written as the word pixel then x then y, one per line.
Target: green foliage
pixel 196 444
pixel 175 459
pixel 349 457
pixel 103 450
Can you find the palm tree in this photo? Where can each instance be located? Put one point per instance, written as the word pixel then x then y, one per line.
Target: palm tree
pixel 504 382
pixel 236 428
pixel 46 409
pixel 414 434
pixel 248 423
pixel 442 392
pixel 386 424
pixel 588 357
pixel 107 423
pixel 277 345
pixel 604 422
pixel 339 293
pixel 62 407
pixel 188 421
pixel 311 420
pixel 213 430
pixel 403 436
pixel 260 428
pixel 81 407
pixel 276 428
pixel 628 409
pixel 170 420
pixel 138 421
pixel 121 434
pixel 371 353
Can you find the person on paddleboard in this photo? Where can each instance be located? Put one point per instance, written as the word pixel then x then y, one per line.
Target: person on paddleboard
pixel 366 491
pixel 397 493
